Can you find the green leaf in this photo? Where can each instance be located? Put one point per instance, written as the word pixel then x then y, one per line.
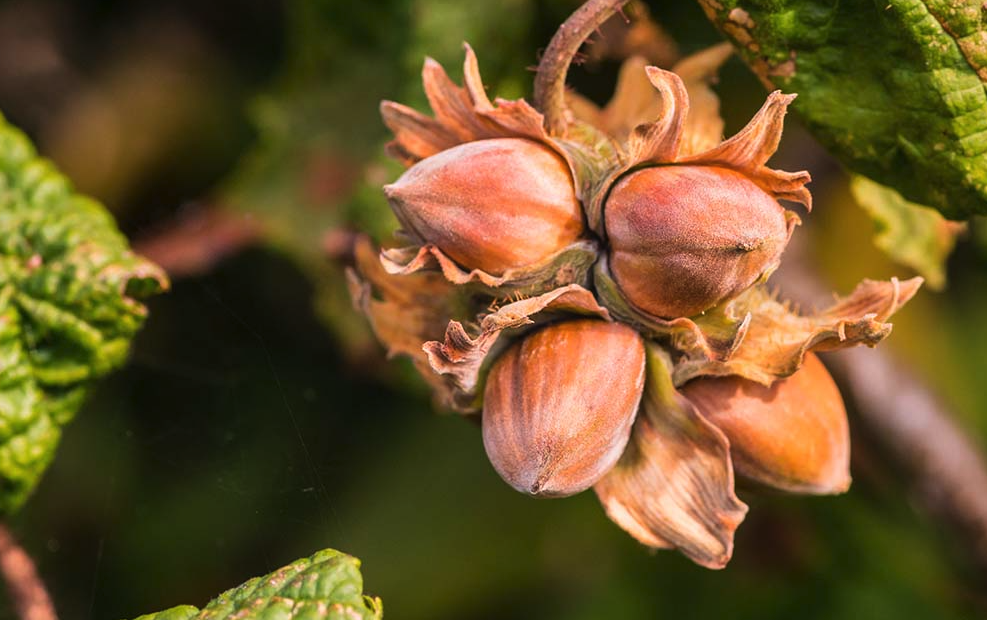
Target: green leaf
pixel 182 612
pixel 326 586
pixel 68 308
pixel 911 234
pixel 894 88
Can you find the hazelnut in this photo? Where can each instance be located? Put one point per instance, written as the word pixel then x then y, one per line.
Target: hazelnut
pixel 559 405
pixel 792 435
pixel 685 238
pixel 492 205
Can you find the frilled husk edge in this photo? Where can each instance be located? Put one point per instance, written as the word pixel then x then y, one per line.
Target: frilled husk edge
pixel 674 485
pixel 463 356
pixel 671 138
pixel 570 265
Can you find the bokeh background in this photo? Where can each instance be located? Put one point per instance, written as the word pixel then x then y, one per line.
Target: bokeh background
pixel 238 142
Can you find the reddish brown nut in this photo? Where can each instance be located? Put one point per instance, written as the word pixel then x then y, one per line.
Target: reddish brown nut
pixel 685 238
pixel 793 435
pixel 492 205
pixel 559 405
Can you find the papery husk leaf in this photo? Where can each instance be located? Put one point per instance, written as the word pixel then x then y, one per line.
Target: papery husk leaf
pixel 634 101
pixel 461 357
pixel 674 486
pixel 679 136
pixel 778 338
pixel 404 311
pixel 659 141
pixel 474 83
pixel 416 136
pixel 583 110
pixel 570 265
pixel 750 148
pixel 703 126
pixel 454 106
pixel 462 114
pixel 753 145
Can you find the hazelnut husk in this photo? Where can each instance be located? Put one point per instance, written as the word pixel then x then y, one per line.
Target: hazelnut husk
pixel 493 205
pixel 559 405
pixel 657 225
pixel 686 238
pixel 792 435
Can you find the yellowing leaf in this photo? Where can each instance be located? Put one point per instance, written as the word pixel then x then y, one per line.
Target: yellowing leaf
pixel 911 234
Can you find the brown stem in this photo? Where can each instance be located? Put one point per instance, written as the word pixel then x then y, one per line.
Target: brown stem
pixel 948 471
pixel 198 238
pixel 554 65
pixel 23 583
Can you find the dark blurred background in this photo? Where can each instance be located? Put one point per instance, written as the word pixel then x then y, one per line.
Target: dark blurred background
pixel 238 142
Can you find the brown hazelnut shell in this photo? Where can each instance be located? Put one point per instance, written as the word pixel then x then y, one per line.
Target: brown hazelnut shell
pixel 684 238
pixel 493 205
pixel 559 405
pixel 792 435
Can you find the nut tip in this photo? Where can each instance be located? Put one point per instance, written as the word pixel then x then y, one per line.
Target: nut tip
pixel 391 190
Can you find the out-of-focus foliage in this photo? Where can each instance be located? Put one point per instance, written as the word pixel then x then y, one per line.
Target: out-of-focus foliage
pixel 317 169
pixel 326 586
pixel 912 235
pixel 69 291
pixel 894 88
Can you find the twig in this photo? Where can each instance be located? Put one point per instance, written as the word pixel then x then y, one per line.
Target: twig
pixel 23 583
pixel 554 65
pixel 948 470
pixel 198 238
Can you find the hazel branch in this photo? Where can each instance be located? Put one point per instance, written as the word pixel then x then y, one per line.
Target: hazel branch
pixel 948 471
pixel 554 65
pixel 197 239
pixel 26 589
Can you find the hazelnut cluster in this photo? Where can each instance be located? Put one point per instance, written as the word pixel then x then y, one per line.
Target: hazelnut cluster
pixel 599 299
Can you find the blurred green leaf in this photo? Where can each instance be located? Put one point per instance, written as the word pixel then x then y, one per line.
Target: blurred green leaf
pixel 911 234
pixel 317 127
pixel 182 612
pixel 68 308
pixel 326 586
pixel 318 123
pixel 894 88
